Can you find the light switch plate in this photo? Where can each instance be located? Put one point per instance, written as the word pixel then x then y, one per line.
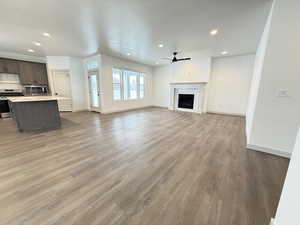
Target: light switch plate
pixel 282 93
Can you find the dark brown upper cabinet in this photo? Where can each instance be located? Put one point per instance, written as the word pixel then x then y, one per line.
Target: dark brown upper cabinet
pixel 9 66
pixel 33 74
pixel 40 74
pixel 26 73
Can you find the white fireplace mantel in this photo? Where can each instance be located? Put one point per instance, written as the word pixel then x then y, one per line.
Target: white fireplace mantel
pixel 195 88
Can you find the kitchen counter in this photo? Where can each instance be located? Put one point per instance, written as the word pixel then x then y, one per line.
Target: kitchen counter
pixel 35 98
pixel 35 113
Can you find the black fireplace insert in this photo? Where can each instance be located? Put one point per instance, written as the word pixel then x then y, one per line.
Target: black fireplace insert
pixel 186 101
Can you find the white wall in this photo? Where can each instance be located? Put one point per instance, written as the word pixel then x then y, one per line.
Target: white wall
pixel 77 78
pixel 108 104
pixel 58 62
pixel 258 65
pixel 161 88
pixel 196 70
pixel 289 207
pixel 276 119
pixel 78 84
pixel 230 84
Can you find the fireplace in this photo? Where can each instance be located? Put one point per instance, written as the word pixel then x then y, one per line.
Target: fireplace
pixel 186 101
pixel 188 97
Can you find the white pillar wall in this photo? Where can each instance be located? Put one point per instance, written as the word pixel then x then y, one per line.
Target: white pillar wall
pixel 273 113
pixel 289 204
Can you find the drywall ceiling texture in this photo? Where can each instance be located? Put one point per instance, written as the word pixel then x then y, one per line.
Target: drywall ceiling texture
pixel 83 28
pixel 276 113
pixel 230 84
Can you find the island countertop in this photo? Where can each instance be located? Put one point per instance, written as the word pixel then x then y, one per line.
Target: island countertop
pixel 36 98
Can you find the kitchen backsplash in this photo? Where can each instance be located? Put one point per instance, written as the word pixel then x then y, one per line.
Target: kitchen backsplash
pixel 9 81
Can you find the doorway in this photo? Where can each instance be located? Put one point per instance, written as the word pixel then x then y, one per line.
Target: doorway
pixel 94 92
pixel 62 88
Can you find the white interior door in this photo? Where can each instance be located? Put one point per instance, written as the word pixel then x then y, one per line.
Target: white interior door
pixel 61 83
pixel 94 92
pixel 62 88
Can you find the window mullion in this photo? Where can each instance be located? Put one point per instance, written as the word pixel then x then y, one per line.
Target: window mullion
pixel 128 86
pixel 138 86
pixel 122 85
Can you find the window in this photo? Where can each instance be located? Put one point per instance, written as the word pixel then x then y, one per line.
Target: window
pixel 142 85
pixel 128 85
pixel 117 75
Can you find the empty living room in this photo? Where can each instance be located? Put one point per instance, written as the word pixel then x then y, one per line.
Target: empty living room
pixel 160 112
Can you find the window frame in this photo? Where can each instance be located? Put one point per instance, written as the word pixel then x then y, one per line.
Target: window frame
pixel 139 86
pixel 122 80
pixel 121 84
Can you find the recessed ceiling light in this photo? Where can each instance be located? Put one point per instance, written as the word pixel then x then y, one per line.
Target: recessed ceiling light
pixel 214 32
pixel 37 43
pixel 46 34
pixel 156 63
pixel 224 53
pixel 30 50
pixel 128 53
pixel 160 45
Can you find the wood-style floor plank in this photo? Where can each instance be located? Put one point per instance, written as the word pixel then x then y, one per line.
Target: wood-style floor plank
pixel 144 167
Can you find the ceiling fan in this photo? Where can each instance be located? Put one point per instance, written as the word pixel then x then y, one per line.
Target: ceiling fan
pixel 175 59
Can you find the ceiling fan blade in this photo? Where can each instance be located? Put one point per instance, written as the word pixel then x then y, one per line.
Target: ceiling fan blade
pixel 184 59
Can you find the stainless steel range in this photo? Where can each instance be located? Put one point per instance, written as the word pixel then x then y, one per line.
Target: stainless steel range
pixel 4 107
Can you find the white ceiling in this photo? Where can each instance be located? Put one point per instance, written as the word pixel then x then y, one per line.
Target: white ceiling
pixel 116 27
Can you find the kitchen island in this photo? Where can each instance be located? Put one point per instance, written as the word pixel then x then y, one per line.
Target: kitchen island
pixel 36 113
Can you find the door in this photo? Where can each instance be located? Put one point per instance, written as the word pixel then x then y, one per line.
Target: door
pixel 62 88
pixel 61 82
pixel 94 92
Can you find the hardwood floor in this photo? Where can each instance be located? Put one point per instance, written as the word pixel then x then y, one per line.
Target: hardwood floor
pixel 145 167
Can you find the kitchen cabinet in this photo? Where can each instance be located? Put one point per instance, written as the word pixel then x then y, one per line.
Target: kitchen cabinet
pixel 26 73
pixel 9 66
pixel 33 74
pixel 40 74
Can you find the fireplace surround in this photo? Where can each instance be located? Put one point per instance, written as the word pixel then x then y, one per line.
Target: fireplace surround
pixel 188 97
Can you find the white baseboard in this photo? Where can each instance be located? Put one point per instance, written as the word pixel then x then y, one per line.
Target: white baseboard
pixel 79 110
pixel 269 151
pixel 159 106
pixel 125 110
pixel 226 113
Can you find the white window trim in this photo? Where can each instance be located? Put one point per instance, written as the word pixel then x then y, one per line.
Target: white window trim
pixel 122 84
